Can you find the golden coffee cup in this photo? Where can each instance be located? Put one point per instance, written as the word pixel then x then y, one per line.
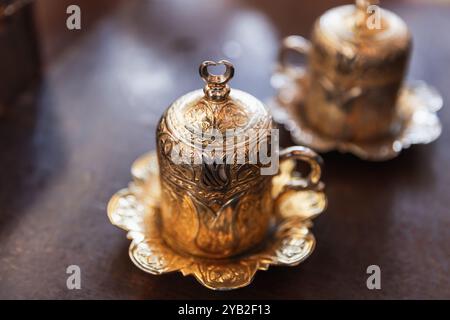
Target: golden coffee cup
pixel 219 209
pixel 356 63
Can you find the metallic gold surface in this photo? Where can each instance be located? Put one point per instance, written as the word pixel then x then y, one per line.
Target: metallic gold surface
pixel 288 242
pixel 418 122
pixel 355 72
pixel 217 210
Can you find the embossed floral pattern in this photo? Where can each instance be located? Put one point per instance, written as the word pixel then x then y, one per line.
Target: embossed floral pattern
pixel 136 210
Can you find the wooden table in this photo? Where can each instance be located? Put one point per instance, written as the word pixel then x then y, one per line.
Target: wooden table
pixel 66 151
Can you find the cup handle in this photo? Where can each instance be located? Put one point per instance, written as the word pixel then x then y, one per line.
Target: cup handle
pixel 296 182
pixel 299 45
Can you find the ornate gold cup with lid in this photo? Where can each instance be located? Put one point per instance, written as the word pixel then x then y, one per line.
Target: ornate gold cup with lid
pixel 217 199
pixel 357 59
pixel 216 183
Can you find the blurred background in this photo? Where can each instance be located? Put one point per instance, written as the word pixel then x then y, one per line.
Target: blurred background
pixel 78 106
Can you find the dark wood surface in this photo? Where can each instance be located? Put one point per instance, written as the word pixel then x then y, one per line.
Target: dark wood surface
pixel 19 54
pixel 64 153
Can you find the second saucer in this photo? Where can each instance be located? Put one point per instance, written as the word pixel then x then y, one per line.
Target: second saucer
pixel 419 123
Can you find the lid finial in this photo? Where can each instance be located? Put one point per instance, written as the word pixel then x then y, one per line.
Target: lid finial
pixel 363 12
pixel 216 87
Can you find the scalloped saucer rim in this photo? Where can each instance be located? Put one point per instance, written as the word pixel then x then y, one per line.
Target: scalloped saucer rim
pixel 417 103
pixel 135 209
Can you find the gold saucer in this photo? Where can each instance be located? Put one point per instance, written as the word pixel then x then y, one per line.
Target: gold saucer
pixel 136 210
pixel 418 121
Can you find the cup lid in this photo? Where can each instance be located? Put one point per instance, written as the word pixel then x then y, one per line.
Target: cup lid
pixel 366 26
pixel 201 114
